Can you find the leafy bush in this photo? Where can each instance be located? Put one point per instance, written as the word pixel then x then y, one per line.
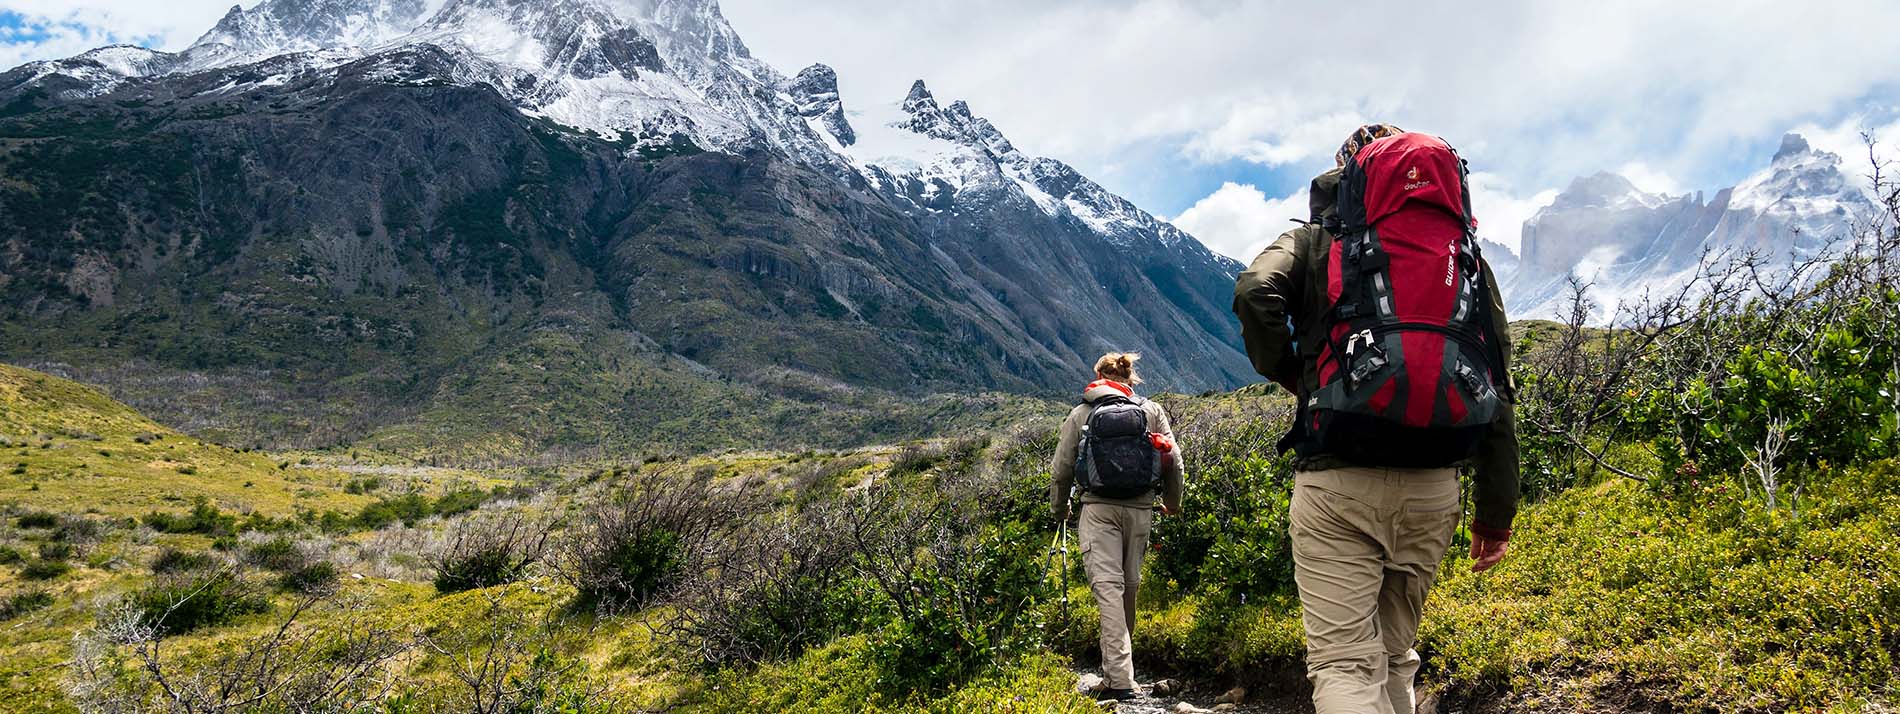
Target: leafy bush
pixel 1230 540
pixel 411 508
pixel 21 603
pixel 314 578
pixel 279 553
pixel 628 550
pixel 54 550
pixel 183 603
pixel 204 519
pixel 42 569
pixel 485 551
pixel 771 591
pixel 173 560
pixel 10 555
pixel 36 519
pixel 957 587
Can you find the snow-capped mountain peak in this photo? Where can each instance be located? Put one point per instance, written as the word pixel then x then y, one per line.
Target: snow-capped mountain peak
pixel 649 72
pixel 277 27
pixel 814 95
pixel 1800 179
pixel 1623 240
pixel 828 193
pixel 1605 189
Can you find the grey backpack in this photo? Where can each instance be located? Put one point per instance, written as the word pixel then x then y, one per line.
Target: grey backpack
pixel 1116 458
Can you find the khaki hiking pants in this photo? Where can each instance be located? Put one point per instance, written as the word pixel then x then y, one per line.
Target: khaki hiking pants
pixel 1114 542
pixel 1366 546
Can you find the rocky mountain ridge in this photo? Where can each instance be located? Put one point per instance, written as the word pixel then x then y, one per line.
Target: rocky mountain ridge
pixel 1625 241
pixel 405 202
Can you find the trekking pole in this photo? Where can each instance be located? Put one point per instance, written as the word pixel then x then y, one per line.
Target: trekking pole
pixel 1062 566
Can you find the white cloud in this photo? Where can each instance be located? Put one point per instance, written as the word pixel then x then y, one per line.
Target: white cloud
pixel 74 26
pixel 1238 220
pixel 1848 139
pixel 1536 92
pixel 1650 180
pixel 1273 131
pixel 1501 212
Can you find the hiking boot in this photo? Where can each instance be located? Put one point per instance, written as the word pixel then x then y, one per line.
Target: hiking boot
pixel 1120 695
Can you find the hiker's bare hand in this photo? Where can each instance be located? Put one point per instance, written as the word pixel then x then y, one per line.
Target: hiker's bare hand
pixel 1486 552
pixel 1168 510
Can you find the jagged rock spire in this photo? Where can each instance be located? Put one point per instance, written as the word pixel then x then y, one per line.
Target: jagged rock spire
pixel 814 94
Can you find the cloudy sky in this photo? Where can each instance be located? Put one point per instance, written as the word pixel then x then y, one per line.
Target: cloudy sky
pixel 1215 113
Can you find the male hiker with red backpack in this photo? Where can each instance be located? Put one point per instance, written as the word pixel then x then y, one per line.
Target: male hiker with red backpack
pixel 1399 354
pixel 1117 449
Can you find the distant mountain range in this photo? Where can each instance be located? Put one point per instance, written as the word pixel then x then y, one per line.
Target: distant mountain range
pixel 514 225
pixel 1624 241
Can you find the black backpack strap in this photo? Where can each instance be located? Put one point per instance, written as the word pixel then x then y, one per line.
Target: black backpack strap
pixel 1480 293
pixel 1365 297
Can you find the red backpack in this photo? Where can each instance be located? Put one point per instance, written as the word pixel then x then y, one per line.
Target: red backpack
pixel 1408 366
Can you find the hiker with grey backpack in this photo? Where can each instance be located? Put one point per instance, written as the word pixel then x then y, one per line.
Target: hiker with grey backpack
pixel 1117 452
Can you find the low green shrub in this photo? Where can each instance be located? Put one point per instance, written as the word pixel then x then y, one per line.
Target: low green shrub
pixel 36 519
pixel 411 508
pixel 183 603
pixel 848 675
pixel 1711 601
pixel 10 555
pixel 54 550
pixel 628 551
pixel 279 553
pixel 42 569
pixel 487 551
pixel 958 589
pixel 173 560
pixel 315 578
pixel 203 519
pixel 1229 543
pixel 21 603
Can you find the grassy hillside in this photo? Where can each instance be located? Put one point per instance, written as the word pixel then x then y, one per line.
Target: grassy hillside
pixel 908 578
pixel 68 448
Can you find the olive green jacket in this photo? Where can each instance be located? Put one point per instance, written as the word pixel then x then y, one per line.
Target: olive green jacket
pixel 1288 280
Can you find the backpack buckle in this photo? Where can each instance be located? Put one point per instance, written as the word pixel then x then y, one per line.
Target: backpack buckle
pixel 1364 367
pixel 1469 376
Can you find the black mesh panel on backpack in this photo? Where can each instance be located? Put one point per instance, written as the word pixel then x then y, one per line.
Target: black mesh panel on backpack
pixel 1117 459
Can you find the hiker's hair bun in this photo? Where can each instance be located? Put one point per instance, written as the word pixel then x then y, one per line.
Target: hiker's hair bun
pixel 1118 366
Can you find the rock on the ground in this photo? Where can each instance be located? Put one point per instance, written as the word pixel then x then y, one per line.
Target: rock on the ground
pixel 1226 707
pixel 1235 696
pixel 1089 683
pixel 1186 708
pixel 1165 688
